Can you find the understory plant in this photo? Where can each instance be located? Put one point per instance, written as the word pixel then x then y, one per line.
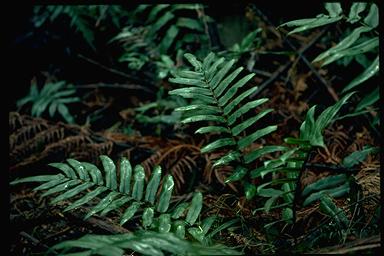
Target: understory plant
pixel 126 187
pixel 360 43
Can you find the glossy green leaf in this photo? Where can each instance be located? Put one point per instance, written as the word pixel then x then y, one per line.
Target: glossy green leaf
pixel 64 112
pixel 329 208
pixel 232 105
pixel 94 172
pixel 148 217
pixel 102 204
pixel 355 10
pixel 199 118
pixel 325 118
pixel 213 69
pixel 72 192
pixel 226 159
pixel 287 215
pixel 307 128
pixel 218 144
pixel 40 178
pixel 365 46
pixel 250 121
pixel 244 109
pixel 66 169
pixel 317 22
pixel 166 193
pixel 61 187
pixel 85 199
pixel 218 77
pixel 248 140
pixel 164 223
pixel 155 11
pixel 195 107
pixel 334 9
pixel 186 81
pixel 110 172
pixel 343 44
pixel 195 208
pixel 334 192
pixel 138 185
pixel 252 156
pixel 125 176
pixel 50 184
pixel 372 70
pixel 180 229
pixel 153 185
pixel 129 212
pixel 213 129
pixel 357 157
pixel 79 168
pixel 194 62
pixel 115 204
pixel 161 22
pixel 372 18
pixel 369 100
pixel 189 23
pixel 327 182
pixel 193 91
pixel 168 39
pixel 250 190
pixel 179 210
pixel 190 74
pixel 237 174
pixel 232 91
pixel 223 85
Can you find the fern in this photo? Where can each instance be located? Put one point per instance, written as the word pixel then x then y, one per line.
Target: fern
pixel 216 91
pixel 353 46
pixel 54 97
pixel 146 243
pixel 292 163
pixel 166 30
pixel 128 188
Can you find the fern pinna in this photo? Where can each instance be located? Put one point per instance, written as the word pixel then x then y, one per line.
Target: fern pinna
pixel 127 189
pixel 215 90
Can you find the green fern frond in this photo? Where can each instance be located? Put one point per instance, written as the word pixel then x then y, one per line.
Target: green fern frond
pixel 126 188
pixel 218 94
pixel 291 164
pixel 143 242
pixel 53 97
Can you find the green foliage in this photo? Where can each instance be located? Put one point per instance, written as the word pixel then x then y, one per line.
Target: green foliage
pixel 160 112
pixel 166 30
pixel 215 91
pixel 291 163
pixel 357 157
pixel 145 243
pixel 353 46
pixel 84 18
pixel 53 96
pixel 127 188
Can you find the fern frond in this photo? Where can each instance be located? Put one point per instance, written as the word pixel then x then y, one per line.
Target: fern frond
pixel 143 242
pixel 215 89
pixel 292 163
pixel 126 188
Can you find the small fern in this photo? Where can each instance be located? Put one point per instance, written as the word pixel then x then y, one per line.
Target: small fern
pixel 146 243
pixel 292 163
pixel 354 46
pixel 215 90
pixel 127 189
pixel 53 96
